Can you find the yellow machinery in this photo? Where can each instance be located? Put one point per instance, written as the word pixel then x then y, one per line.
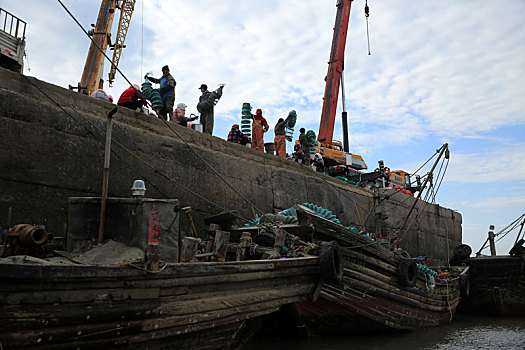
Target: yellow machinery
pixel 333 153
pixel 94 66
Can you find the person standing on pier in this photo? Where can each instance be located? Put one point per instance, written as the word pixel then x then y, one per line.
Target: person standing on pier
pixel 259 127
pixel 167 92
pixel 207 116
pixel 305 146
pixel 280 140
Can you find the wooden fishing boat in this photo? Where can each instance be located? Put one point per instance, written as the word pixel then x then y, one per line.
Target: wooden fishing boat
pixel 497 286
pixel 382 289
pixel 200 305
pixel 497 282
pixel 204 302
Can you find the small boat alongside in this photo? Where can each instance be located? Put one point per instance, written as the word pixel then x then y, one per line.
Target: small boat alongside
pixel 497 282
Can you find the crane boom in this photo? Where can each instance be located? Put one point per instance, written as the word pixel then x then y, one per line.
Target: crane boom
pixel 335 71
pixel 126 11
pixel 95 59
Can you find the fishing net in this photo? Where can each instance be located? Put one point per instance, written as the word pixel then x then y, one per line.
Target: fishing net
pixel 213 98
pixel 153 95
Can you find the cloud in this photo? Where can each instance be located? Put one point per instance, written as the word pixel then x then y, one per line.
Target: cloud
pixel 501 202
pixel 504 165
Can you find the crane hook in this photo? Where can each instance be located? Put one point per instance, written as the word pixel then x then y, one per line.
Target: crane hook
pixel 367 14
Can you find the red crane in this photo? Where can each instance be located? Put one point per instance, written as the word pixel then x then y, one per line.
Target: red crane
pixel 335 71
pixel 333 152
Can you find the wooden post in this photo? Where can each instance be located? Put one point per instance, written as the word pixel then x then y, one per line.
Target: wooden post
pixel 279 240
pixel 220 244
pixel 193 231
pixel 491 241
pixel 245 240
pixel 105 179
pixel 212 229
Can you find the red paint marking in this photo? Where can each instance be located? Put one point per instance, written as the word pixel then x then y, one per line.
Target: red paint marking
pixel 154 227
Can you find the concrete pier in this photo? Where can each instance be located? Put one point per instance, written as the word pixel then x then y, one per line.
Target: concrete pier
pixel 52 146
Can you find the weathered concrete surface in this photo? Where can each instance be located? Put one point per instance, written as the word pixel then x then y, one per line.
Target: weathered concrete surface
pixel 52 145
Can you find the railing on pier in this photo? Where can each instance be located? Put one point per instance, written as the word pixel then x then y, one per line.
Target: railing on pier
pixel 12 25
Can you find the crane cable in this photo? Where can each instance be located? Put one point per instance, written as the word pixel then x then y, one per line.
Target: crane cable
pixel 367 14
pixel 94 43
pixel 142 38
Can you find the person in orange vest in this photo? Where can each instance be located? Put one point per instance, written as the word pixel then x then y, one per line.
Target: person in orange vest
pixel 280 140
pixel 259 127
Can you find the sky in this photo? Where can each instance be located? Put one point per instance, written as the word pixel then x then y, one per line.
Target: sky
pixel 439 71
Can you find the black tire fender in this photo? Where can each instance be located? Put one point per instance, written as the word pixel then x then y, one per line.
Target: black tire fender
pixel 331 263
pixel 464 285
pixel 517 248
pixel 407 273
pixel 266 239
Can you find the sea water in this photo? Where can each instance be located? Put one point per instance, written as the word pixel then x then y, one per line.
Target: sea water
pixel 464 332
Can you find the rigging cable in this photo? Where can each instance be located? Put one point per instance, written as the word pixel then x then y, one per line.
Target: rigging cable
pixel 519 233
pixel 94 43
pixel 428 160
pixel 442 177
pixel 514 224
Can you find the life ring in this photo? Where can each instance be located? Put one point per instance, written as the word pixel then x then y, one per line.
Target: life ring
pixel 407 273
pixel 331 263
pixel 464 285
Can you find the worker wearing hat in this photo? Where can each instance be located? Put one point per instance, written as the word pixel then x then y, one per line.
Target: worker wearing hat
pixel 206 116
pixel 167 92
pixel 259 127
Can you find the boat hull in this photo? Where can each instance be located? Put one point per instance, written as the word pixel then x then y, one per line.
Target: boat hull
pixel 373 295
pixel 497 286
pixel 197 305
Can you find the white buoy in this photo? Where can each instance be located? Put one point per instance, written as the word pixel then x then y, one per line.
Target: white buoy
pixel 138 189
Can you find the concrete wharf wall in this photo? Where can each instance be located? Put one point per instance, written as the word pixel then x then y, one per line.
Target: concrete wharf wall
pixel 52 146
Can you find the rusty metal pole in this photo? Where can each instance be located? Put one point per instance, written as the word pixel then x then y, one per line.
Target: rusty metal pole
pixel 105 179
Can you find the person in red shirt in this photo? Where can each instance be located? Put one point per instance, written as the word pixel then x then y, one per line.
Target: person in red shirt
pixel 132 98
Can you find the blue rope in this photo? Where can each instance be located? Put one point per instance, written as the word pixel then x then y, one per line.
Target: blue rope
pixel 427 270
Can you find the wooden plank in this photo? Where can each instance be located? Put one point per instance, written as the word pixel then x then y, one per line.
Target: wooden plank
pixel 367 259
pixel 64 272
